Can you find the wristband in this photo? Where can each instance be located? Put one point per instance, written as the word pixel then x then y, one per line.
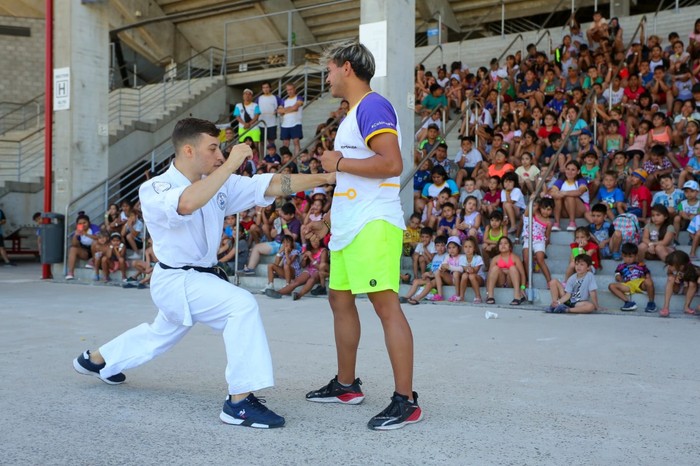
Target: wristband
pixel 284 226
pixel 338 163
pixel 522 287
pixel 328 225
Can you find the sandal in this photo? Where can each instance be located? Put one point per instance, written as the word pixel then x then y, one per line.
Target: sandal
pixel 437 297
pixel 412 301
pixel 664 312
pixel 403 299
pixel 515 302
pixel 406 278
pixel 477 301
pixel 490 301
pixel 689 311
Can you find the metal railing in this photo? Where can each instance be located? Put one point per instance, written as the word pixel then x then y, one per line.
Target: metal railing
pixel 541 183
pixel 28 152
pixel 509 46
pixel 432 51
pixel 152 100
pixel 122 186
pixel 22 116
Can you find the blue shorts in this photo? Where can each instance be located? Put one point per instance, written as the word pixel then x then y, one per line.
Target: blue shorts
pixel 291 133
pixel 635 210
pixel 271 133
pixel 274 247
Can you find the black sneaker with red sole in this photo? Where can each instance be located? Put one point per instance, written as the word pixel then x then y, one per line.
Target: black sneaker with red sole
pixel 398 414
pixel 334 392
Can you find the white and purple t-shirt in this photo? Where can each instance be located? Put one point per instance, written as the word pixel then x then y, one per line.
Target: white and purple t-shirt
pixel 358 200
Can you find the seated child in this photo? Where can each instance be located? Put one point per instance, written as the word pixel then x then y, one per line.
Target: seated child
pixel 681 274
pixel 658 235
pixel 579 295
pixel 541 234
pixel 427 279
pixel 113 258
pixel 411 235
pixel 492 197
pixel 448 220
pixel 423 253
pixel 602 229
pixel 632 276
pixel 470 223
pixel 495 230
pixel 451 269
pixel 583 245
pixel 640 196
pixel 669 196
pixel 474 272
pixel 610 195
pixel 287 265
pixel 469 189
pixel 688 208
pixel 513 201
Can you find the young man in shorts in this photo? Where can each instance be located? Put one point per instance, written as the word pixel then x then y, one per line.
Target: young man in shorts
pixel 366 222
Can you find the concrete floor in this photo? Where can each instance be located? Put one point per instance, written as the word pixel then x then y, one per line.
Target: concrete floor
pixel 526 388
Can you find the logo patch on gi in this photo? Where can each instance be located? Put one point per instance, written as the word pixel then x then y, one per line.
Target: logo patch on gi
pixel 161 186
pixel 373 283
pixel 221 200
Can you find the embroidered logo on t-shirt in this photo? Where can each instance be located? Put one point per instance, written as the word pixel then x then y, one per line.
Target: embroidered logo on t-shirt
pixel 221 200
pixel 161 186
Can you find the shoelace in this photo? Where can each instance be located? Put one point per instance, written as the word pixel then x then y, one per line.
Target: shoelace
pixel 391 411
pixel 257 403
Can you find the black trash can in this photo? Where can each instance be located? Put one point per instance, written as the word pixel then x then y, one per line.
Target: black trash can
pixel 52 238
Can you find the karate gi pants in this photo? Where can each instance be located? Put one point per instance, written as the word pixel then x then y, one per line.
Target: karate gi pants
pixel 213 302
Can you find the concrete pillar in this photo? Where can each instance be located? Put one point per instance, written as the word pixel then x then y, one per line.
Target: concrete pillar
pixel 397 85
pixel 81 144
pixel 619 8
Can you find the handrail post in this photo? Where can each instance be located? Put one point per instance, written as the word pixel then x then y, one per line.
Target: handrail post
pixel 211 62
pixel 306 82
pixel 503 19
pixel 135 77
pixel 595 118
pixel 223 59
pixel 289 38
pixel 466 118
pixel 19 160
pixel 189 76
pixel 498 103
pixel 236 278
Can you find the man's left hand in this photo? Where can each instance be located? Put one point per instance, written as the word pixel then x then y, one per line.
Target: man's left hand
pixel 329 160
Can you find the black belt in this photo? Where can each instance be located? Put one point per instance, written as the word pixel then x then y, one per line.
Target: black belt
pixel 218 271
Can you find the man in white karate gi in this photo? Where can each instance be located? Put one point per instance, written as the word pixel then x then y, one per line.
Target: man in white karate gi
pixel 184 210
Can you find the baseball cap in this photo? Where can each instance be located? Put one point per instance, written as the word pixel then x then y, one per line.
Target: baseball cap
pixel 587 132
pixel 691 185
pixel 300 195
pixel 247 90
pixel 117 235
pixel 502 73
pixel 455 240
pixel 641 174
pixel 319 190
pixel 271 145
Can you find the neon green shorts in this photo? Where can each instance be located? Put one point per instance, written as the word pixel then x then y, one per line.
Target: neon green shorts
pixel 371 263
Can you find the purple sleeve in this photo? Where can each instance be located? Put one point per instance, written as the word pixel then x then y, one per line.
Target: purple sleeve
pixel 295 227
pixel 559 183
pixel 375 115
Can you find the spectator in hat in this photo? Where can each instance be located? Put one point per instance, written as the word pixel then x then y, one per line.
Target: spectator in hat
pixel 639 199
pixel 247 114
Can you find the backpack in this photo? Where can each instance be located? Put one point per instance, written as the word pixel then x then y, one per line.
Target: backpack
pixel 628 225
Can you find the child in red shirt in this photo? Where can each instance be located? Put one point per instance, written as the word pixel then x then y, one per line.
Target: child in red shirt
pixel 640 196
pixel 583 244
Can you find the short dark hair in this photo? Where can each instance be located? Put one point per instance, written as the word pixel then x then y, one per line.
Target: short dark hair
pixel 188 131
pixel 442 239
pixel 658 149
pixel 629 249
pixel 546 202
pixel 360 58
pixel 416 215
pixel 584 258
pixel 600 207
pixel 426 231
pixel 288 208
pixel 666 175
pixel 448 204
pixel 496 215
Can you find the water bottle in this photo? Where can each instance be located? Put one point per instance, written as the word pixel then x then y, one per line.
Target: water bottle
pixel 490 315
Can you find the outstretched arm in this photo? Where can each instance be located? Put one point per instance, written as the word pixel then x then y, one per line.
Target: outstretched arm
pixel 286 185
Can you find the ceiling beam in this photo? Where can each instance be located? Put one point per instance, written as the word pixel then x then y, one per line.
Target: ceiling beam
pixel 429 10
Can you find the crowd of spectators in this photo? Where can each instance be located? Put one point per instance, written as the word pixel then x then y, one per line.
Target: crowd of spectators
pixel 626 162
pixel 617 120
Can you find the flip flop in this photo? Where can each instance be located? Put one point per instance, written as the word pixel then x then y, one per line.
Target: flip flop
pixel 664 312
pixel 515 302
pixel 490 301
pixel 689 311
pixel 403 300
pixel 412 301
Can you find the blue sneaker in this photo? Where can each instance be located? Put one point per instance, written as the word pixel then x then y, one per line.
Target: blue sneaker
pixel 560 309
pixel 247 271
pixel 83 365
pixel 629 306
pixel 617 256
pixel 250 412
pixel 651 307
